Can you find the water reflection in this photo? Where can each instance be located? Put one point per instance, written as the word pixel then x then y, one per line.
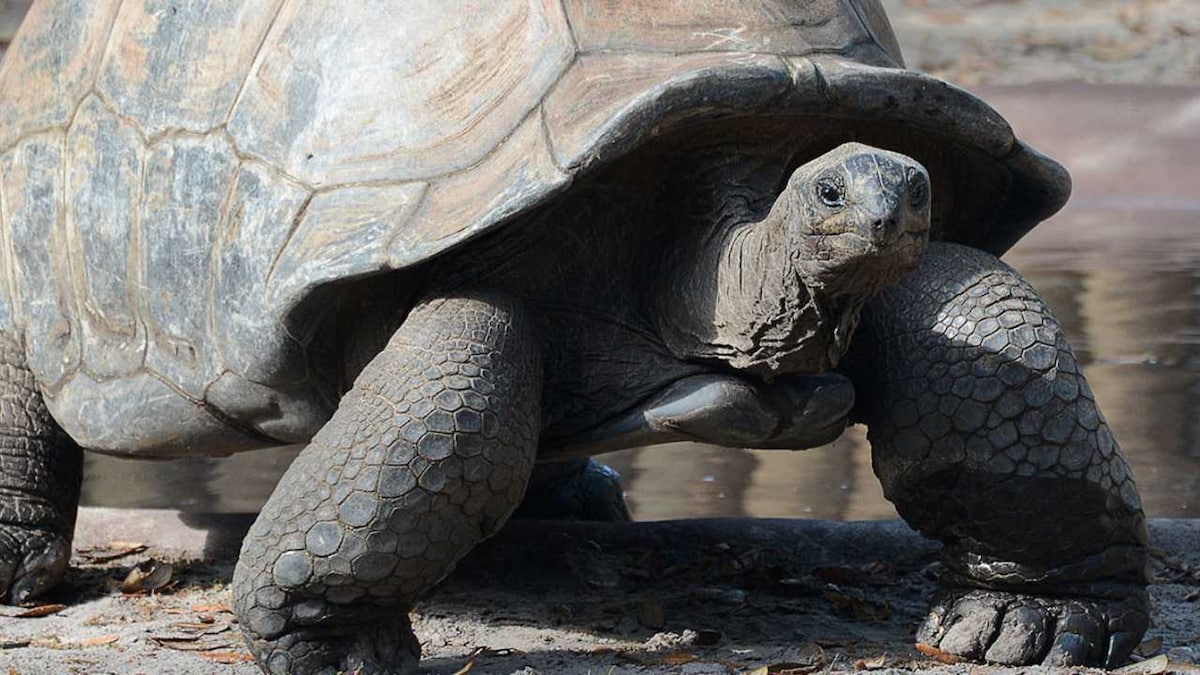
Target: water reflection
pixel 1120 268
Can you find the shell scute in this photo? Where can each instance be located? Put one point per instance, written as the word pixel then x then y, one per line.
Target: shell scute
pixel 397 92
pixel 179 64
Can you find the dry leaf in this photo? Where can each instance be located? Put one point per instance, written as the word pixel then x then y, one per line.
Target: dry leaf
pixel 935 653
pixel 40 611
pixel 147 577
pixel 100 640
pixel 1152 666
pixel 1149 647
pixel 183 643
pixel 114 550
pixel 679 658
pixel 873 663
pixel 227 658
pixel 857 607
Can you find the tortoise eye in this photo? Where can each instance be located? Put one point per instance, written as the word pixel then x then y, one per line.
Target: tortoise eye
pixel 831 192
pixel 918 190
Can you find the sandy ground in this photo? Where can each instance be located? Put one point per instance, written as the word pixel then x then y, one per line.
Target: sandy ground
pixel 703 596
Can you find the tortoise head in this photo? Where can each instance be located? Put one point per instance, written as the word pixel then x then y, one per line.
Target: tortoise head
pixel 857 218
pixel 782 293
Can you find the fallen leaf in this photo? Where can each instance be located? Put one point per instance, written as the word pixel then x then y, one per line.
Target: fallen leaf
pixel 857 607
pixel 1152 666
pixel 227 658
pixel 183 643
pixel 873 663
pixel 40 611
pixel 935 653
pixel 100 640
pixel 1149 647
pixel 147 577
pixel 678 658
pixel 114 550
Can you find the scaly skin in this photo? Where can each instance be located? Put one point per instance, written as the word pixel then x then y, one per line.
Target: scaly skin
pixel 581 489
pixel 428 455
pixel 40 474
pixel 986 436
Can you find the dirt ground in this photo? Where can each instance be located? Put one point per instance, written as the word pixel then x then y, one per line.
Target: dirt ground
pixel 695 597
pixel 691 597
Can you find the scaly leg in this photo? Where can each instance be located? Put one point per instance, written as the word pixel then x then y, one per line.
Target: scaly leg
pixel 578 489
pixel 425 457
pixel 41 469
pixel 986 436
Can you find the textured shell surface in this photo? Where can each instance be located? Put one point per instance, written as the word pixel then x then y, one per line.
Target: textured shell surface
pixel 177 177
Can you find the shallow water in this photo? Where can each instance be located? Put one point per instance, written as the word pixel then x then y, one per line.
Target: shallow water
pixel 1120 267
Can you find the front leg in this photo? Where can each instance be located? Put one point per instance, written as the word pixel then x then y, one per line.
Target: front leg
pixel 986 436
pixel 425 457
pixel 41 469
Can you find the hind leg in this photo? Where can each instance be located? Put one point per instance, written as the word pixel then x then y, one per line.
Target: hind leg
pixel 41 469
pixel 426 456
pixel 580 489
pixel 986 436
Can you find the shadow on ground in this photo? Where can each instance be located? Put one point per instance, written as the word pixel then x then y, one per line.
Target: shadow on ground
pixel 700 596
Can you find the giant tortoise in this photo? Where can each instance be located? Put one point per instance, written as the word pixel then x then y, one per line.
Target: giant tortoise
pixel 458 247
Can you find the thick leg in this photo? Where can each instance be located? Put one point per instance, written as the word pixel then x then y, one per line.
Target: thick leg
pixel 580 489
pixel 40 473
pixel 986 436
pixel 426 456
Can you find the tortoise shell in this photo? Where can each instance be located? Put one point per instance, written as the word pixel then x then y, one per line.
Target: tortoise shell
pixel 181 180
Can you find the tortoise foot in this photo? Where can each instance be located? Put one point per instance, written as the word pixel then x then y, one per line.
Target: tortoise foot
pixel 382 643
pixel 1016 629
pixel 32 561
pixel 584 490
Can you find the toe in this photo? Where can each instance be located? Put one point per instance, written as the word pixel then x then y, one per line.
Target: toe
pixel 1069 649
pixel 1022 637
pixel 970 626
pixel 1079 637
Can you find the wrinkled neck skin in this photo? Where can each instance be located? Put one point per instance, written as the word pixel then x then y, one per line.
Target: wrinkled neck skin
pixel 745 293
